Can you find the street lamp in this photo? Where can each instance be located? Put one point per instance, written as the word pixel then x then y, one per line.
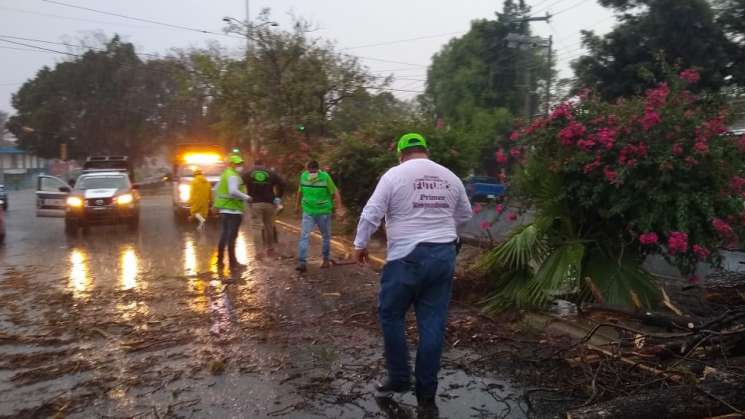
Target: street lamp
pixel 247 27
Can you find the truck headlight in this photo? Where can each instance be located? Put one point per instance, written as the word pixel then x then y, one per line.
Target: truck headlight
pixel 74 202
pixel 184 192
pixel 124 199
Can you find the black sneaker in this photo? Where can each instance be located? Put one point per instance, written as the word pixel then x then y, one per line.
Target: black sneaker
pixel 301 268
pixel 387 388
pixel 427 408
pixel 237 266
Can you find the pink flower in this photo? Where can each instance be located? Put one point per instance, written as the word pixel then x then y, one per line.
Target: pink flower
pixel 591 167
pixel 648 238
pixel 656 97
pixel 677 149
pixel 690 161
pixel 737 184
pixel 515 136
pixel 701 251
pixel 499 208
pixel 607 137
pixel 563 110
pixel 586 144
pixel 650 119
pixel 677 242
pixel 500 156
pixel 570 132
pixel 610 174
pixel 476 208
pixel 690 75
pixel 485 225
pixel 516 152
pixel 512 216
pixel 701 148
pixel 724 229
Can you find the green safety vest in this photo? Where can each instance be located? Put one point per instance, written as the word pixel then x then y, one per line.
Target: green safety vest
pixel 317 193
pixel 223 199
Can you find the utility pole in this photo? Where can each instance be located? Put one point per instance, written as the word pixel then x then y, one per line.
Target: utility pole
pixel 525 42
pixel 550 74
pixel 248 26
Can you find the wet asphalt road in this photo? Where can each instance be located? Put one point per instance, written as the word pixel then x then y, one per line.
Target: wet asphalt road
pixel 112 323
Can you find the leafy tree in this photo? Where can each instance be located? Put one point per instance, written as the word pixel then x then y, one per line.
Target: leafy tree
pixel 106 101
pixel 484 70
pixel 3 126
pixel 630 59
pixel 612 182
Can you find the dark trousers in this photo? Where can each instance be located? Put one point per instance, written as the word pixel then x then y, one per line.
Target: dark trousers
pixel 229 226
pixel 424 279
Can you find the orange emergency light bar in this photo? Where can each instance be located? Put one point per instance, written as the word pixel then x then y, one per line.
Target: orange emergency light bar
pixel 202 158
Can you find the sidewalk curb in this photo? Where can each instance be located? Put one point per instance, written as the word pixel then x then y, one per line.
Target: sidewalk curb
pixel 341 245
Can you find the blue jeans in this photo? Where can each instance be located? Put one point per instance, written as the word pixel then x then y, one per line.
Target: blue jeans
pixel 424 279
pixel 229 226
pixel 324 225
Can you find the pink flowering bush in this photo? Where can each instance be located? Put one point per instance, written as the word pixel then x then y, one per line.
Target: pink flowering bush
pixel 614 182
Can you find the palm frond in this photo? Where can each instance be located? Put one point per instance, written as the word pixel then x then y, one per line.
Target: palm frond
pixel 618 278
pixel 559 273
pixel 524 246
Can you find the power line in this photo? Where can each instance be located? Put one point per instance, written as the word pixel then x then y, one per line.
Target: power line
pixel 388 61
pixel 21 49
pixel 29 12
pixel 38 47
pixel 400 41
pixel 394 90
pixel 549 6
pixel 68 45
pixel 575 5
pixel 139 19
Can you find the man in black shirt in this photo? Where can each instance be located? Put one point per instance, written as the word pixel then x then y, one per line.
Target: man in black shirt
pixel 266 188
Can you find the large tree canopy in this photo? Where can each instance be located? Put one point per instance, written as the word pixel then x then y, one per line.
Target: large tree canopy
pixel 106 101
pixel 653 34
pixel 484 70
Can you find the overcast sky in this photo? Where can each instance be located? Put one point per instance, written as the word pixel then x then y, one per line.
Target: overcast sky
pixel 353 24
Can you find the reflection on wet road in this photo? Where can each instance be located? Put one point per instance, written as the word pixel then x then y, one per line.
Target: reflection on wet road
pixel 117 323
pixel 80 279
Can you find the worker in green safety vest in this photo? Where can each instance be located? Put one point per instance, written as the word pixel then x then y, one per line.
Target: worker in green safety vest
pixel 316 195
pixel 230 201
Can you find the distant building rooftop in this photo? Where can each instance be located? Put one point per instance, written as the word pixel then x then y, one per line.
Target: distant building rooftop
pixel 11 150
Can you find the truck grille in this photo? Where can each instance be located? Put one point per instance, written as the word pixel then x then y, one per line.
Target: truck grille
pixel 98 202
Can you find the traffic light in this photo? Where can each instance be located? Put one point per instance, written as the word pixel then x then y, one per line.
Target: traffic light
pixel 301 128
pixel 236 150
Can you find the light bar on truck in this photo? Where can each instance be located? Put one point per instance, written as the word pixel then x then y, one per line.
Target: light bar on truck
pixel 202 158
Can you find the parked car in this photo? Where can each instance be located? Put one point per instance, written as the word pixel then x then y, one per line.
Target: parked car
pixel 4 197
pixel 2 221
pixel 483 188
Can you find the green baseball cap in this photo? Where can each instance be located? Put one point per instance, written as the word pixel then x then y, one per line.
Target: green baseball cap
pixel 235 159
pixel 409 140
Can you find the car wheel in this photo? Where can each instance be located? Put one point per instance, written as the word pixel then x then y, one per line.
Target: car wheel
pixel 71 227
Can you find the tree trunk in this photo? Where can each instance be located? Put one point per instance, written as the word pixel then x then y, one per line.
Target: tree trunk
pixel 717 396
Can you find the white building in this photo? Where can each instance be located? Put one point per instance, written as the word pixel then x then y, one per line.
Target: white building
pixel 19 167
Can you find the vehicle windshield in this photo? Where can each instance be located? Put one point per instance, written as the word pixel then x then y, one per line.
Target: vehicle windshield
pixel 207 170
pixel 101 182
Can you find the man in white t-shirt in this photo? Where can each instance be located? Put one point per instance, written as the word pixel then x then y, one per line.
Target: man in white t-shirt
pixel 423 203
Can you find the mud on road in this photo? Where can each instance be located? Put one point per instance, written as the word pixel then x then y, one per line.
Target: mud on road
pixel 117 324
